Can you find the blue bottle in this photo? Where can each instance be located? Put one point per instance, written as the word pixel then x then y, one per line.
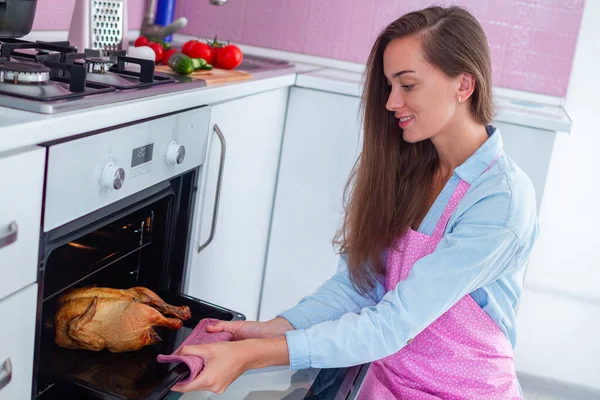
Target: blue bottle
pixel 165 10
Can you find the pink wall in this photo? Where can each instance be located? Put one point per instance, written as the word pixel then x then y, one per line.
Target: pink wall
pixel 532 41
pixel 55 15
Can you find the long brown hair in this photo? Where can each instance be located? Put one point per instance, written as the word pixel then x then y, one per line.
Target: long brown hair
pixel 386 187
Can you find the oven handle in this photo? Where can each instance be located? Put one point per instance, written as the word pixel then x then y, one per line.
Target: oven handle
pixel 6 375
pixel 218 192
pixel 11 236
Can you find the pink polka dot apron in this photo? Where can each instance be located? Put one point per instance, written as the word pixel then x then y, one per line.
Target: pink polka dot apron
pixel 462 355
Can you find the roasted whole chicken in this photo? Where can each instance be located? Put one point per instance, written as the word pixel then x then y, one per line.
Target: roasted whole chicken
pixel 118 320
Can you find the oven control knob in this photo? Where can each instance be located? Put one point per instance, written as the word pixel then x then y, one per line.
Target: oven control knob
pixel 113 177
pixel 175 153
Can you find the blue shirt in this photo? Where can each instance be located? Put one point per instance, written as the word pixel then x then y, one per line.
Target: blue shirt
pixel 484 252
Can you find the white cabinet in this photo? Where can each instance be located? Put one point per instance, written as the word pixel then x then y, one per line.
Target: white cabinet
pixel 21 180
pixel 17 337
pixel 321 144
pixel 229 270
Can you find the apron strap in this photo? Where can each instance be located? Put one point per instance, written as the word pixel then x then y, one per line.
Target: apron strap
pixel 457 196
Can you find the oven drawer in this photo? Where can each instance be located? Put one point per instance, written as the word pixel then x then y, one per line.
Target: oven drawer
pixel 22 181
pixel 18 313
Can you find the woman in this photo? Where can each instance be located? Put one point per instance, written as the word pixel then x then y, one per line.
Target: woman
pixel 437 233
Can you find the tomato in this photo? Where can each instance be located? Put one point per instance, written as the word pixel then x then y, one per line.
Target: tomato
pixel 158 50
pixel 168 54
pixel 216 51
pixel 216 47
pixel 142 41
pixel 201 50
pixel 228 57
pixel 185 49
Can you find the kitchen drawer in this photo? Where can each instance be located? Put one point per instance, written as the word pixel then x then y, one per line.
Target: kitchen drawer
pixel 17 337
pixel 22 181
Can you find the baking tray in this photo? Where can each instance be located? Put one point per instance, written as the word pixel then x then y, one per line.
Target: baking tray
pixel 127 376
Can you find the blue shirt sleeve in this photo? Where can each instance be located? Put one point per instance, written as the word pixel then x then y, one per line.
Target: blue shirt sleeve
pixel 471 256
pixel 334 298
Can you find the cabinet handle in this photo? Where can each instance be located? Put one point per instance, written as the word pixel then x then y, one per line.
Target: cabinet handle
pixel 11 236
pixel 6 375
pixel 218 192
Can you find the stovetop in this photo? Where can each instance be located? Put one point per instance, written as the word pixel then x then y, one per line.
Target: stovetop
pixel 53 77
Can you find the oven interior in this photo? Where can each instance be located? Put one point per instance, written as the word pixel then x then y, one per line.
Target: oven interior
pixel 138 241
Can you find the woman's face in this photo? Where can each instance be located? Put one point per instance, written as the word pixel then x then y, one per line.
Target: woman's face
pixel 422 98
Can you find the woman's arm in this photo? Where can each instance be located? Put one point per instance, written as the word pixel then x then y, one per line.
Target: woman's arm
pixel 257 344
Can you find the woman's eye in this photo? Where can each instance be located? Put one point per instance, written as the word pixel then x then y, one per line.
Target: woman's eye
pixel 408 88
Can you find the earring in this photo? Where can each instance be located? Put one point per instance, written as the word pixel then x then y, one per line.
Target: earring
pixel 459 99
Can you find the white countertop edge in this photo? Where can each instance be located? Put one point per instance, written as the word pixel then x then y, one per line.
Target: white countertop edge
pixel 21 129
pixel 533 121
pixel 310 81
pixel 532 114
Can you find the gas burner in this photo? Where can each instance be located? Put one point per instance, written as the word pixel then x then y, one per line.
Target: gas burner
pixel 38 51
pixel 17 72
pixel 95 65
pixel 49 77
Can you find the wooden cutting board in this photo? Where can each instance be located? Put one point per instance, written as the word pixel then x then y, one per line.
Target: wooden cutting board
pixel 213 76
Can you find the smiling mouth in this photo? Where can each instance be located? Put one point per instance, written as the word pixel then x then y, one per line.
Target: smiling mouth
pixel 404 119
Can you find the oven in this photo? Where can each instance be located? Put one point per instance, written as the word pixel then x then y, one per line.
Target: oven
pixel 118 212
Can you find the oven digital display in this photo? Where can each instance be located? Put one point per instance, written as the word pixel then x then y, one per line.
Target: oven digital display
pixel 142 155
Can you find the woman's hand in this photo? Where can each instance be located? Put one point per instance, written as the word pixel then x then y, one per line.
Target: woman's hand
pixel 224 362
pixel 242 330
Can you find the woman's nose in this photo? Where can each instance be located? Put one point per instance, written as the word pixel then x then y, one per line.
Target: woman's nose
pixel 395 101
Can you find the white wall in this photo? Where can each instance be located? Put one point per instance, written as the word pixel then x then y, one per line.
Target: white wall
pixel 559 315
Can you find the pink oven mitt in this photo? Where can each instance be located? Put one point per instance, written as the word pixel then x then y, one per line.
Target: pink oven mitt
pixel 198 336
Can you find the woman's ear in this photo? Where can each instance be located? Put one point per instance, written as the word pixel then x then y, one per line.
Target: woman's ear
pixel 466 87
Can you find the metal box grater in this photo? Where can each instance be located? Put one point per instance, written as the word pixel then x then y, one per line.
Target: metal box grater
pixel 99 24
